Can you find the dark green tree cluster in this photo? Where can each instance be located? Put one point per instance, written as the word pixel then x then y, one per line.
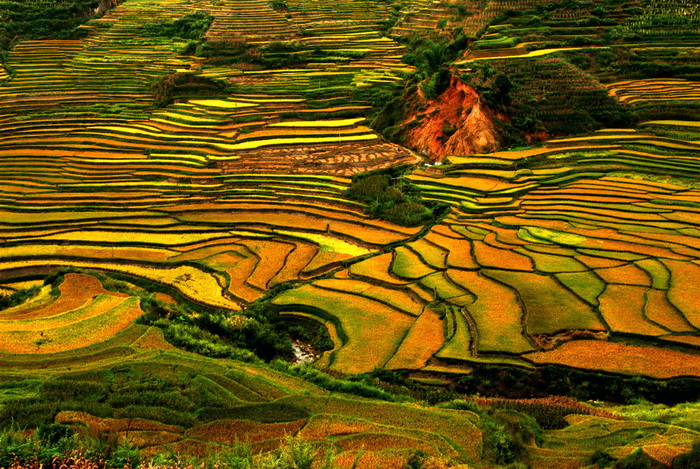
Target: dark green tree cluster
pixel 432 57
pixel 391 197
pixel 182 85
pixel 224 52
pixel 507 432
pixel 362 385
pixel 276 54
pixel 20 18
pixel 192 26
pixel 261 333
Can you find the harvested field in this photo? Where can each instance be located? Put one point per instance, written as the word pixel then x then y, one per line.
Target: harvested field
pixel 620 358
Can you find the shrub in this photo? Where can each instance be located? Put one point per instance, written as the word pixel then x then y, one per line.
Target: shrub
pixel 513 382
pixel 417 460
pixel 196 340
pixel 578 41
pixel 235 51
pixel 461 404
pixel 606 58
pixel 125 455
pixel 190 48
pixel 36 20
pixel 374 188
pixel 501 446
pixel 436 84
pixel 507 435
pixel 51 434
pixel 300 454
pixel 19 450
pixel 239 456
pixel 14 445
pixel 308 331
pixel 331 383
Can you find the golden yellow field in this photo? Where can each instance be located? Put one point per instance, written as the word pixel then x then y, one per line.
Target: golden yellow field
pixel 83 314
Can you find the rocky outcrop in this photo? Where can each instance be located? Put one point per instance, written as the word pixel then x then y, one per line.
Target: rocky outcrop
pixel 456 123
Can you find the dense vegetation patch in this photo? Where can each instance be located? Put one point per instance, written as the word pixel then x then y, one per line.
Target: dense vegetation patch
pixel 18 297
pixel 19 18
pixel 184 85
pixel 392 198
pixel 361 385
pixel 276 54
pixel 279 5
pixel 567 97
pixel 260 334
pixel 562 101
pixel 192 26
pixel 432 58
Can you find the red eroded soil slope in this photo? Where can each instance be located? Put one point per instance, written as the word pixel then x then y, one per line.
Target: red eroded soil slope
pixel 456 123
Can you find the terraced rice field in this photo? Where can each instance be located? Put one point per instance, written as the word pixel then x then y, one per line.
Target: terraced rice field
pixel 79 348
pixel 423 17
pixel 119 194
pixel 217 199
pixel 587 238
pixel 587 243
pixel 260 405
pixel 660 442
pixel 83 314
pixel 114 186
pixel 582 252
pixel 640 91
